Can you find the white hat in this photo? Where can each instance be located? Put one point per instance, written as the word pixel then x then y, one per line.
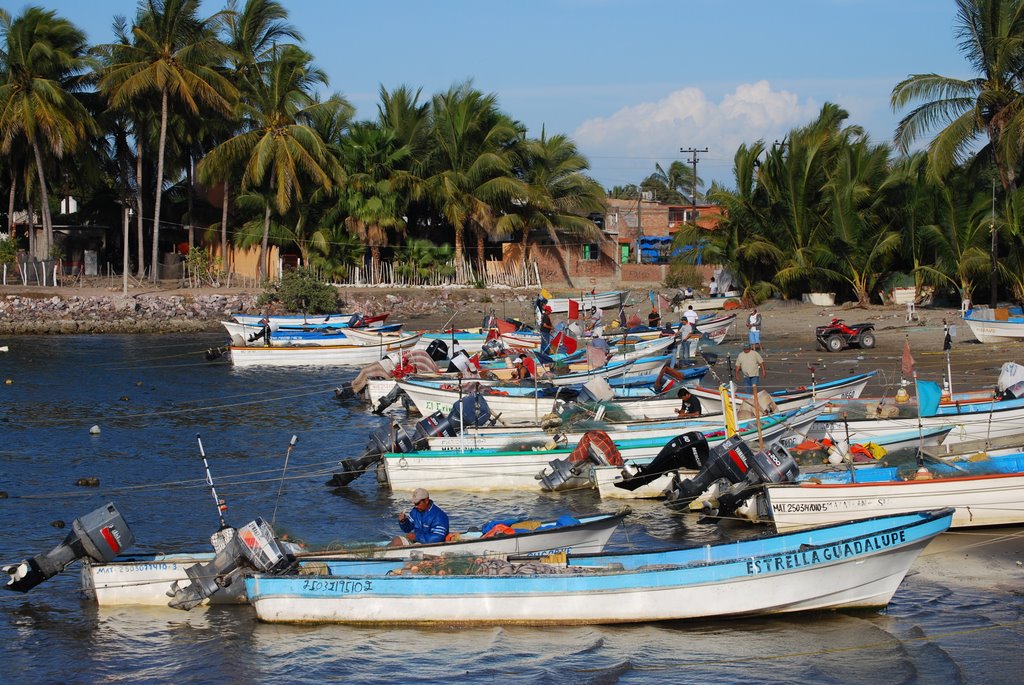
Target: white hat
pixel 419 494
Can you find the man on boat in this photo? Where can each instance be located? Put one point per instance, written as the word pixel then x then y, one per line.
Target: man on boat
pixel 545 328
pixel 691 315
pixel 690 408
pixel 713 288
pixel 749 366
pixel 653 319
pixel 424 524
pixel 520 371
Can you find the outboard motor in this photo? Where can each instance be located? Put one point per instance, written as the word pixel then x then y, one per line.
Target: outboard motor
pixel 99 536
pixel 687 451
pixel 735 462
pixel 492 349
pixel 253 547
pixel 438 350
pixel 471 410
pixel 595 447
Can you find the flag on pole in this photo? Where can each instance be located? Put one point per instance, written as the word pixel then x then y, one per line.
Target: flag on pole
pixel 908 360
pixel 928 396
pixel 574 310
pixel 553 345
pixel 531 365
pixel 664 304
pixel 651 297
pixel 570 344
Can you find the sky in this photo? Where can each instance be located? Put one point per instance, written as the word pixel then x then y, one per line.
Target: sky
pixel 632 82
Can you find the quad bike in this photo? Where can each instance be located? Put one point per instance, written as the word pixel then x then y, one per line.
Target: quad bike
pixel 838 336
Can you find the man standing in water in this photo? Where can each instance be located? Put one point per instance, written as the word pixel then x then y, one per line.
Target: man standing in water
pixel 754 328
pixel 749 367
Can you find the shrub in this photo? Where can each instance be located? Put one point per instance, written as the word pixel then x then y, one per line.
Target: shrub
pixel 682 275
pixel 8 249
pixel 300 291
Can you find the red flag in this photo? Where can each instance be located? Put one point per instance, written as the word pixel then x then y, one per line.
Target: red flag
pixel 531 365
pixel 574 310
pixel 555 342
pixel 492 334
pixel 570 344
pixel 908 360
pixel 474 361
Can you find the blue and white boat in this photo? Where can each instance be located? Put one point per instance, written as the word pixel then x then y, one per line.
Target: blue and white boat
pixel 987 328
pixel 846 566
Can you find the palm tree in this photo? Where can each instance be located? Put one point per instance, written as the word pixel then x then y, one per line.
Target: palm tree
pixel 44 63
pixel 472 164
pixel 677 186
pixel 174 54
pixel 864 240
pixel 278 152
pixel 991 105
pixel 561 196
pixel 370 198
pixel 742 242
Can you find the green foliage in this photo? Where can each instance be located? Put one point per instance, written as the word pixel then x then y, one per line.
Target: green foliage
pixel 56 252
pixel 681 275
pixel 300 291
pixel 8 250
pixel 202 267
pixel 419 259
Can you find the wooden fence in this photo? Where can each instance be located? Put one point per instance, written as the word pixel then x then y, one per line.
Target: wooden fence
pixel 496 273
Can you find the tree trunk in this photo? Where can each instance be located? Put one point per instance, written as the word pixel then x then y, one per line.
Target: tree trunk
pixel 44 200
pixel 191 204
pixel 159 186
pixel 10 206
pixel 480 256
pixel 32 243
pixel 141 247
pixel 374 260
pixel 265 243
pixel 224 231
pixel 459 271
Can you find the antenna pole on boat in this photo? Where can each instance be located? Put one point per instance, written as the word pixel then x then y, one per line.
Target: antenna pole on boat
pixel 291 444
pixel 849 452
pixel 947 344
pixel 221 504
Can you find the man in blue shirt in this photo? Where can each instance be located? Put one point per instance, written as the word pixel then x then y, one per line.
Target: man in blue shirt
pixel 424 524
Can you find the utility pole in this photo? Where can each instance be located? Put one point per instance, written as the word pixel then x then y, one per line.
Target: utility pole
pixel 693 160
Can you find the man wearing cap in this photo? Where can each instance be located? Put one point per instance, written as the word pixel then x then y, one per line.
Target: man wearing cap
pixel 520 372
pixel 749 367
pixel 424 524
pixel 545 328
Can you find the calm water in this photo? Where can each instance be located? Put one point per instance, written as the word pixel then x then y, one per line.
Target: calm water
pixel 151 395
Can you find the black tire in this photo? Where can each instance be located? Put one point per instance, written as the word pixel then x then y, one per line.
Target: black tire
pixel 867 340
pixel 836 343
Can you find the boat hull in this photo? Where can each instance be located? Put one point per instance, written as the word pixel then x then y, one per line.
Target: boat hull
pixel 333 355
pixel 862 569
pixel 145 580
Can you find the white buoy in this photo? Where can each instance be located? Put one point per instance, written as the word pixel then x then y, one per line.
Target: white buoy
pixel 95 430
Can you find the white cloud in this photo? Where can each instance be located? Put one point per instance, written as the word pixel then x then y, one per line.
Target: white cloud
pixel 687 118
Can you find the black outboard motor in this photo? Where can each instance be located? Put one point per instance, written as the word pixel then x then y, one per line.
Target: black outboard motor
pixel 99 535
pixel 734 461
pixel 253 547
pixel 687 451
pixel 492 349
pixel 438 350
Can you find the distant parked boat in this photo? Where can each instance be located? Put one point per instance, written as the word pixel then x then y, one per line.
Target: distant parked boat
pixel 996 325
pixel 611 299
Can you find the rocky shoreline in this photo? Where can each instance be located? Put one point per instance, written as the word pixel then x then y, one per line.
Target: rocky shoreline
pixel 58 312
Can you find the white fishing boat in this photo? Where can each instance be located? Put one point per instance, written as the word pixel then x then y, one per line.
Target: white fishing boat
pixel 838 389
pixel 996 325
pixel 328 355
pixel 984 493
pixel 976 421
pixel 452 468
pixel 849 566
pixel 275 320
pixel 610 299
pixel 288 336
pixel 605 477
pixel 145 579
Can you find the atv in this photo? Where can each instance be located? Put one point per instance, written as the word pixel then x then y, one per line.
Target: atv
pixel 838 336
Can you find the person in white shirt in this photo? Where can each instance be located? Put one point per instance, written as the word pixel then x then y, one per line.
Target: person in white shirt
pixel 713 288
pixel 691 316
pixel 754 326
